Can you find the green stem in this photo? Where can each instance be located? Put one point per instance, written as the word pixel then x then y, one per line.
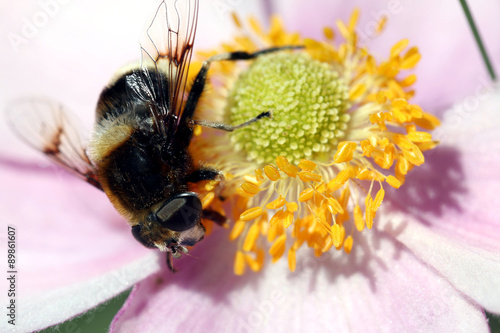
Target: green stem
pixel 478 39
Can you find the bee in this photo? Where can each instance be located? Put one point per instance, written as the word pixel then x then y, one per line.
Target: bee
pixel 138 153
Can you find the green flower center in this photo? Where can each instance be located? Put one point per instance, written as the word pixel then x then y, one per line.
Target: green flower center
pixel 308 101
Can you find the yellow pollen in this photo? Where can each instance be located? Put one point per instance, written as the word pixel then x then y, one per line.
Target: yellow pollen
pixel 308 176
pixel 271 172
pixel 292 259
pixel 251 237
pixel 250 188
pixel 317 171
pixel 345 152
pixel 237 229
pixel 278 248
pixel 278 203
pixel 358 218
pixel 306 195
pixel 307 165
pixel 239 263
pixel 393 181
pixel 251 214
pixel 348 244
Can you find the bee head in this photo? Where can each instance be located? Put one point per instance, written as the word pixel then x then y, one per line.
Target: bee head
pixel 173 224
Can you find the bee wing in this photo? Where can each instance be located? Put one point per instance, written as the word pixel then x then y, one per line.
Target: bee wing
pixel 166 49
pixel 47 127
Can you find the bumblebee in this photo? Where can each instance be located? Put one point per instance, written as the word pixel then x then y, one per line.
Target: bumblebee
pixel 138 154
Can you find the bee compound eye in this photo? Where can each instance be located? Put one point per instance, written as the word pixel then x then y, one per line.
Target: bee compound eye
pixel 180 213
pixel 136 232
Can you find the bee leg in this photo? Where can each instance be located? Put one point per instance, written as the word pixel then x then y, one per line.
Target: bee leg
pixel 201 77
pixel 230 128
pixel 214 216
pixel 203 174
pixel 170 263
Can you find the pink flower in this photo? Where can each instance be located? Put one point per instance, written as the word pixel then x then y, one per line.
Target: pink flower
pixel 431 262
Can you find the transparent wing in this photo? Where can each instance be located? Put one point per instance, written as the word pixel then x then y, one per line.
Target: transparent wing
pixel 47 127
pixel 166 50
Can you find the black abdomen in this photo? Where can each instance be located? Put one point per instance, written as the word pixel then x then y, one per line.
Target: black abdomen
pixel 146 167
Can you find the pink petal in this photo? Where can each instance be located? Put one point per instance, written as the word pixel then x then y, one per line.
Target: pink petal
pixel 73 250
pixel 452 205
pixel 380 285
pixel 451 66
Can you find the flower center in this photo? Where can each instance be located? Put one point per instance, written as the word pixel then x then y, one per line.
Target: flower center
pixel 308 101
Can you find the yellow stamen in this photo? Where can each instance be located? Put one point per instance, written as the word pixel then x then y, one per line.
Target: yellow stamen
pixel 238 228
pixel 271 172
pixel 278 203
pixel 250 188
pixel 307 165
pixel 303 175
pixel 358 218
pixel 239 263
pixel 251 237
pixel 292 259
pixel 306 195
pixel 251 214
pixel 278 248
pixel 345 152
pixel 308 176
pixel 393 181
pixel 348 244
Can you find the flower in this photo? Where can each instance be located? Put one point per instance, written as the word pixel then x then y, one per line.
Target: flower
pixel 339 118
pixel 430 264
